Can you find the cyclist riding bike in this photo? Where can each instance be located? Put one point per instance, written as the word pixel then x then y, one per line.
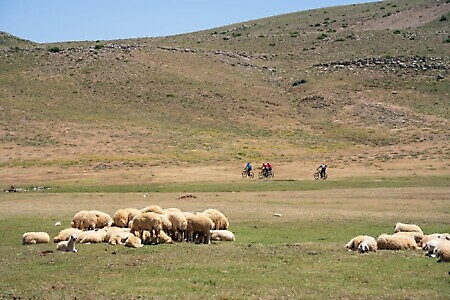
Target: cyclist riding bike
pixel 248 168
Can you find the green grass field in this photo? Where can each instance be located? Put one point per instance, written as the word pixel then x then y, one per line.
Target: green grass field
pixel 298 255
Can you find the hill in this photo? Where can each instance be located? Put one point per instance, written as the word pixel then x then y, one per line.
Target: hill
pixel 351 85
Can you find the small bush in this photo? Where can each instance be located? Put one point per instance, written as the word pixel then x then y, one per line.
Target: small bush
pixel 443 18
pixel 99 46
pixel 397 31
pixel 54 49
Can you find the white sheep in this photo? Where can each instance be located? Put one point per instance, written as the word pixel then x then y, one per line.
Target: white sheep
pixel 222 235
pixel 199 228
pixel 163 238
pixel 417 236
pixel 431 246
pixel 122 217
pixel 153 208
pixel 68 245
pixel 179 225
pixel 442 251
pixel 94 237
pixel 362 243
pixel 149 221
pixel 396 242
pixel 219 219
pixel 133 241
pixel 35 238
pixel 402 227
pixel 90 220
pixel 114 231
pixel 64 234
pixel 429 237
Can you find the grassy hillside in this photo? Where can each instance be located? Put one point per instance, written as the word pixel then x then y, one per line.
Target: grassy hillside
pixel 367 81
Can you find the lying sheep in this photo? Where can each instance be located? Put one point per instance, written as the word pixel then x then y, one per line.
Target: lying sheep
pixel 90 220
pixel 35 238
pixel 68 245
pixel 199 229
pixel 442 251
pixel 147 221
pixel 431 246
pixel 417 236
pixel 94 237
pixel 64 234
pixel 219 219
pixel 119 238
pixel 429 237
pixel 115 231
pixel 222 235
pixel 362 243
pixel 396 242
pixel 163 238
pixel 402 227
pixel 133 241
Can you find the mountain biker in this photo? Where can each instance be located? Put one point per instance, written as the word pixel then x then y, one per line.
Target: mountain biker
pixel 322 169
pixel 269 167
pixel 248 168
pixel 264 169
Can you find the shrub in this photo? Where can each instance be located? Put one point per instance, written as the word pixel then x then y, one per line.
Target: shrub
pixel 54 49
pixel 99 46
pixel 443 18
pixel 397 31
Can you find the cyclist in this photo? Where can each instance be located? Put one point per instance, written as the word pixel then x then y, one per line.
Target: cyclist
pixel 269 168
pixel 264 169
pixel 248 168
pixel 322 169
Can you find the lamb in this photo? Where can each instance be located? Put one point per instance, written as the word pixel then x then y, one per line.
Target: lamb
pixel 431 246
pixel 362 243
pixel 402 227
pixel 68 245
pixel 396 242
pixel 219 219
pixel 94 237
pixel 222 235
pixel 35 238
pixel 199 228
pixel 64 234
pixel 147 221
pixel 179 225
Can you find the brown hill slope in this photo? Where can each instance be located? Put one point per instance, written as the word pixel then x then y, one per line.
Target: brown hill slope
pixel 352 84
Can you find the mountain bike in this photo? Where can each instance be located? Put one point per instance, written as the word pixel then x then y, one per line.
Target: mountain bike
pixel 265 174
pixel 317 176
pixel 249 174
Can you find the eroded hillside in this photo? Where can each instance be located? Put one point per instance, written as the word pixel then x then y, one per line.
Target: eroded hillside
pixel 338 82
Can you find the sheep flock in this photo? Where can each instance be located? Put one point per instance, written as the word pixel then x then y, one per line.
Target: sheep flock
pixel 135 228
pixel 404 237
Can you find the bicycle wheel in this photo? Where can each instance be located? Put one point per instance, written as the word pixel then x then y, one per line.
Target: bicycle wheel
pixel 316 175
pixel 260 175
pixel 244 174
pixel 251 175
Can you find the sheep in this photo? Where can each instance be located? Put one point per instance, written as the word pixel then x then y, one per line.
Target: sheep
pixel 396 242
pixel 402 227
pixel 442 252
pixel 133 241
pixel 79 220
pixel 165 223
pixel 362 243
pixel 222 235
pixel 94 236
pixel 179 225
pixel 102 219
pixel 149 221
pixel 153 208
pixel 417 236
pixel 431 246
pixel 115 231
pixel 64 234
pixel 90 220
pixel 122 217
pixel 163 238
pixel 199 228
pixel 35 238
pixel 219 219
pixel 429 237
pixel 68 245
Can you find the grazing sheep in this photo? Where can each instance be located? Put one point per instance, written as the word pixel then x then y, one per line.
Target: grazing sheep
pixel 179 225
pixel 362 243
pixel 133 241
pixel 396 242
pixel 64 234
pixel 153 208
pixel 149 221
pixel 199 229
pixel 222 235
pixel 219 219
pixel 35 238
pixel 122 217
pixel 94 237
pixel 402 227
pixel 165 223
pixel 68 245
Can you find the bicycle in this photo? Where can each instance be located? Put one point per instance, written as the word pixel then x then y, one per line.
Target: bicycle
pixel 265 174
pixel 317 176
pixel 249 174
